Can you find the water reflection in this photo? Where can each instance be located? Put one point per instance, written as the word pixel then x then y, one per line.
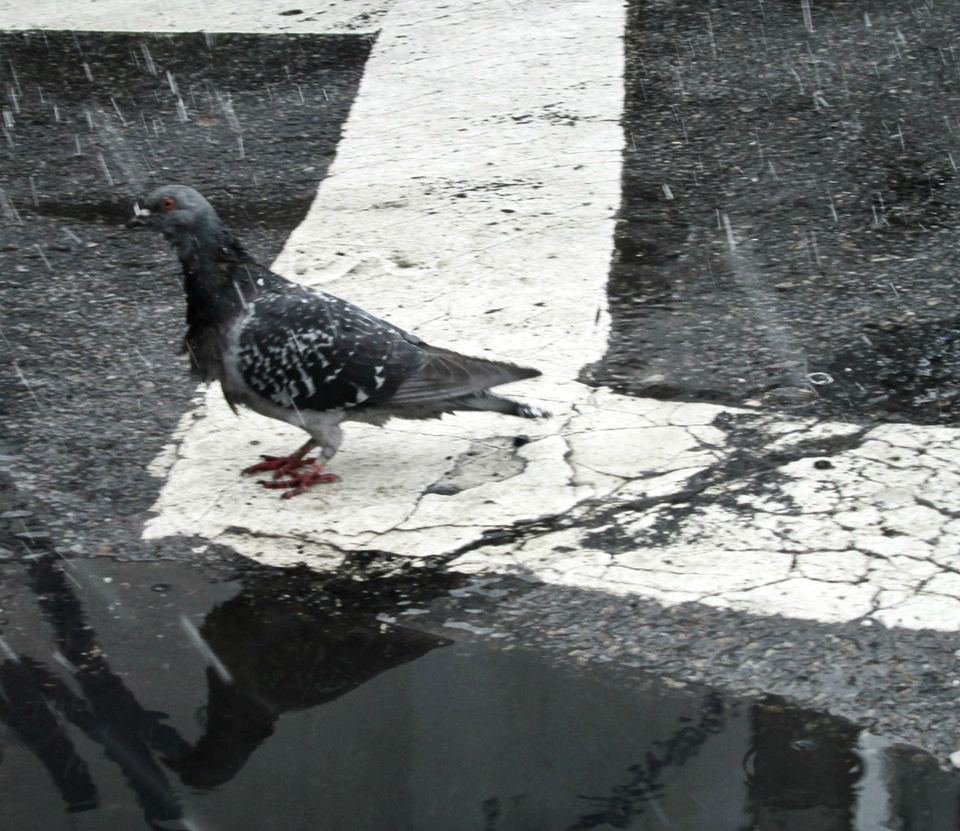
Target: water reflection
pixel 334 716
pixel 37 705
pixel 285 651
pixel 286 656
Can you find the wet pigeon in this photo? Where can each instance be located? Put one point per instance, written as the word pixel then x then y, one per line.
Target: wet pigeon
pixel 304 356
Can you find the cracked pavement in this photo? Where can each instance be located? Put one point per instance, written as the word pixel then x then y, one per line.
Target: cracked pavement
pixel 813 519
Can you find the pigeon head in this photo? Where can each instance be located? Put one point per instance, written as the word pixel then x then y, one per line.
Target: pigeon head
pixel 183 216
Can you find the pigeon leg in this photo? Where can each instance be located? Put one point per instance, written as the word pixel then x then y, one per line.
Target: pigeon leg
pixel 283 465
pixel 300 481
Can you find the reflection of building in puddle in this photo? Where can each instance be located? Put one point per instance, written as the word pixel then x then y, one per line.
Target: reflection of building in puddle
pixel 802 768
pixel 37 706
pixel 811 772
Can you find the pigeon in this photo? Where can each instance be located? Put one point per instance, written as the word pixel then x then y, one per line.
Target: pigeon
pixel 304 356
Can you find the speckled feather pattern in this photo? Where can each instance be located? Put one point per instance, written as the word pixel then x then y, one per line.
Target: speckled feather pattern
pixel 313 351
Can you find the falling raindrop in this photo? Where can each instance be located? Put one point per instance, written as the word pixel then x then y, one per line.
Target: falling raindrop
pixel 116 108
pixel 182 110
pixel 243 300
pixel 899 135
pixel 105 169
pixel 43 257
pixel 205 649
pixel 797 76
pixel 16 80
pixel 713 40
pixel 65 662
pixel 25 382
pixel 87 72
pixel 226 104
pixel 148 58
pixel 833 208
pixel 8 209
pixel 11 655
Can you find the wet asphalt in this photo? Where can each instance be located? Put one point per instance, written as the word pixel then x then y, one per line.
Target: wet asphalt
pixel 787 211
pixel 790 200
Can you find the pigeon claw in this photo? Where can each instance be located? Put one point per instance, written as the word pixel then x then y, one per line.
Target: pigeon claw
pixel 280 465
pixel 300 482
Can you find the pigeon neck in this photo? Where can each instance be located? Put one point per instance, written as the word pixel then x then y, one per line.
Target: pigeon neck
pixel 207 234
pixel 213 261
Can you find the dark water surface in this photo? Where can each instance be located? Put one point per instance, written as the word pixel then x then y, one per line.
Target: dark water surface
pixel 143 695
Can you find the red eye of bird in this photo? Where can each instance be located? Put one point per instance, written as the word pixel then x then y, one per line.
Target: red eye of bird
pixel 168 203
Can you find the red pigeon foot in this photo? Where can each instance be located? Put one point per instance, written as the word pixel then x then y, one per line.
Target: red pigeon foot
pixel 280 465
pixel 299 482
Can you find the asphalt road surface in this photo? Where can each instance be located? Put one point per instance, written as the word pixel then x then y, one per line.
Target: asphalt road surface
pixel 723 232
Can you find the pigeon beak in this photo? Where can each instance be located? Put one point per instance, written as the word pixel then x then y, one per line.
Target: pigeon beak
pixel 140 216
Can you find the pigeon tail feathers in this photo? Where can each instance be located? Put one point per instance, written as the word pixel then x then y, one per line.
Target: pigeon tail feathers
pixel 446 375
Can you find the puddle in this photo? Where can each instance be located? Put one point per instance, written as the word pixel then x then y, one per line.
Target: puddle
pixel 305 708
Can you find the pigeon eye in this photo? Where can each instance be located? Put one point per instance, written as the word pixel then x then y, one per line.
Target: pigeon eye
pixel 168 203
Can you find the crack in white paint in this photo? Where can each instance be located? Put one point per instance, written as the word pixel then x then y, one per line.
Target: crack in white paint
pixel 855 542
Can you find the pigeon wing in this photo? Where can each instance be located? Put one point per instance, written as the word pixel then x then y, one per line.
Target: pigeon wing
pixel 313 351
pixel 444 375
